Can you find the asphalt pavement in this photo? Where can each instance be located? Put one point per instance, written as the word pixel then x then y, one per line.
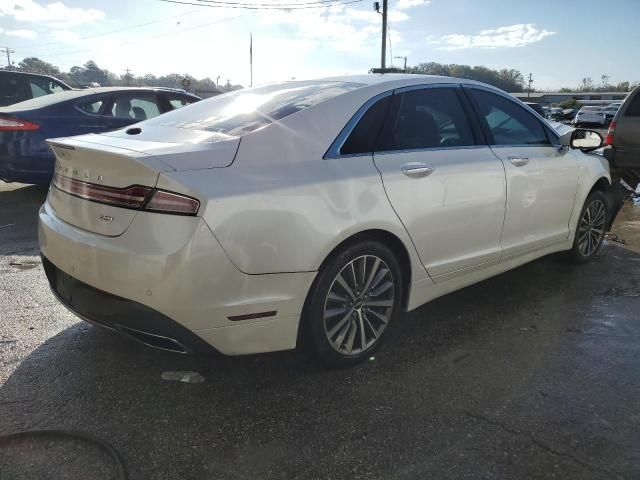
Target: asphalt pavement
pixel 531 374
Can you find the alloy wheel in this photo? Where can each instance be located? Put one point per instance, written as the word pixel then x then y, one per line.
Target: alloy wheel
pixel 592 225
pixel 359 305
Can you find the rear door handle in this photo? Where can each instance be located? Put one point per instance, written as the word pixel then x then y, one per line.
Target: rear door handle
pixel 417 169
pixel 518 161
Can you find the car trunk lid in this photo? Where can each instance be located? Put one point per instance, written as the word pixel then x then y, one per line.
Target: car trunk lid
pixel 95 162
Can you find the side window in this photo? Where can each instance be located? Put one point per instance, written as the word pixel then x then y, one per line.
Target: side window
pixel 508 123
pixel 136 107
pixel 364 135
pixel 633 110
pixel 179 102
pixel 55 87
pixel 93 107
pixel 426 118
pixel 38 88
pixel 13 89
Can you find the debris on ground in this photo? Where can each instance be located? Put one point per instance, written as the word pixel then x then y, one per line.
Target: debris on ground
pixel 185 377
pixel 24 265
pixel 532 328
pixel 7 225
pixel 612 237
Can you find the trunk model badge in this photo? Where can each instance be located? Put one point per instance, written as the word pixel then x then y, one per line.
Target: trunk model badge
pixel 106 218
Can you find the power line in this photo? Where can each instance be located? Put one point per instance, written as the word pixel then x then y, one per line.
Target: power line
pixel 62 54
pixel 132 27
pixel 257 7
pixel 271 4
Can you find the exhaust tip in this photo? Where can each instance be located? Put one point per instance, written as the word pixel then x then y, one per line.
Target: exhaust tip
pixel 152 340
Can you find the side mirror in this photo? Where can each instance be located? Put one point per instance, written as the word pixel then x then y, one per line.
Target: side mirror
pixel 585 140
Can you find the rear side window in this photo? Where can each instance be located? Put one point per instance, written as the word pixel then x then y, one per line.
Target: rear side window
pixel 363 137
pixel 243 111
pixel 179 102
pixel 138 107
pixel 92 107
pixel 43 86
pixel 633 110
pixel 508 123
pixel 426 118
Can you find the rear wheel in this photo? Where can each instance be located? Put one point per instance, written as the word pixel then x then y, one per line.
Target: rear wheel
pixel 354 299
pixel 591 228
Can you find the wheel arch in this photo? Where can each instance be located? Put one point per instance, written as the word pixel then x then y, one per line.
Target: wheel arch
pixel 385 237
pixel 602 184
pixel 393 242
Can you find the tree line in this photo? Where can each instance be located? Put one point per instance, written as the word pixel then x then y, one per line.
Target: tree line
pixel 90 73
pixel 510 80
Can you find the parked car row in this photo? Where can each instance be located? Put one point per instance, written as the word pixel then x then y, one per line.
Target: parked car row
pixel 24 127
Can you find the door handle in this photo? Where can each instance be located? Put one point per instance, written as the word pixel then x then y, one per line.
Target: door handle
pixel 417 169
pixel 518 161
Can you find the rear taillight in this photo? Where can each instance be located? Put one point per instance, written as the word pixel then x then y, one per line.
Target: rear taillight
pixel 608 140
pixel 136 197
pixel 16 124
pixel 169 202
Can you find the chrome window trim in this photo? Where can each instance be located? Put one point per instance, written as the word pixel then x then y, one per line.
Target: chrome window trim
pixel 549 129
pixel 425 150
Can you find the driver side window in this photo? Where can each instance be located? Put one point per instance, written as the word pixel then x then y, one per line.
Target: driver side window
pixel 508 123
pixel 426 118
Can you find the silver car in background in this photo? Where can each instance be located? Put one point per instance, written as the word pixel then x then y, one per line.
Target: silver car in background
pixel 594 116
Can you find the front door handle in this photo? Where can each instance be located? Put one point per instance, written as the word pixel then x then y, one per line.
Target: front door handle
pixel 518 161
pixel 417 169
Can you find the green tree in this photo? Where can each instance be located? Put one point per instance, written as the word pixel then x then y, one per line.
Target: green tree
pixel 35 65
pixel 510 80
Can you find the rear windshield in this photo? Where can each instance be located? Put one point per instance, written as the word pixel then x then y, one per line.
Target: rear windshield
pixel 244 111
pixel 591 109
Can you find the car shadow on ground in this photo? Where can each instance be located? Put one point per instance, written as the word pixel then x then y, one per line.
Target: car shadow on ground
pixel 531 372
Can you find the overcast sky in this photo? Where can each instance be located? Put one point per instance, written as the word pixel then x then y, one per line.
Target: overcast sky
pixel 559 41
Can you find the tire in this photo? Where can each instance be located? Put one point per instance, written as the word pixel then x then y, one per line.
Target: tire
pixel 334 320
pixel 591 228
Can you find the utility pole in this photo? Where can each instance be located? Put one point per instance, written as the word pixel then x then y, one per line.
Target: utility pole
pixel 251 59
pixel 128 75
pixel 8 51
pixel 529 87
pixel 405 63
pixel 384 35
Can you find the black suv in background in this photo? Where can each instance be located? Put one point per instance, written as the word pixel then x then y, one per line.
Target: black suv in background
pixel 623 140
pixel 18 86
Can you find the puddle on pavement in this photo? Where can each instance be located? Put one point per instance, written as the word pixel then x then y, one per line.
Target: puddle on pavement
pixel 627 224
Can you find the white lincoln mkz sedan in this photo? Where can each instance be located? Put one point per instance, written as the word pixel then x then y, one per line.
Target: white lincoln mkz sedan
pixel 311 212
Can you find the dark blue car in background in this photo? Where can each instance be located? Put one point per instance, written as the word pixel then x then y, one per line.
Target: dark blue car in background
pixel 25 156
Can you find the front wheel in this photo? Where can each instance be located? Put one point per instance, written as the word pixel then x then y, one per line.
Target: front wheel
pixel 354 299
pixel 591 228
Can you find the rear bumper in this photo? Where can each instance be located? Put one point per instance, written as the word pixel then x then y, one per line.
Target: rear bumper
pixel 25 158
pixel 122 315
pixel 167 276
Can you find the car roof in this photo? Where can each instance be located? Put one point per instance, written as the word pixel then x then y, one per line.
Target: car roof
pixel 401 78
pixel 47 100
pixel 28 74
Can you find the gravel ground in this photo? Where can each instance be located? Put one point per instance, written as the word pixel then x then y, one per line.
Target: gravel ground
pixel 531 374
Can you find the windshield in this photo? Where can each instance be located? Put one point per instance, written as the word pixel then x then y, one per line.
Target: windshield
pixel 244 111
